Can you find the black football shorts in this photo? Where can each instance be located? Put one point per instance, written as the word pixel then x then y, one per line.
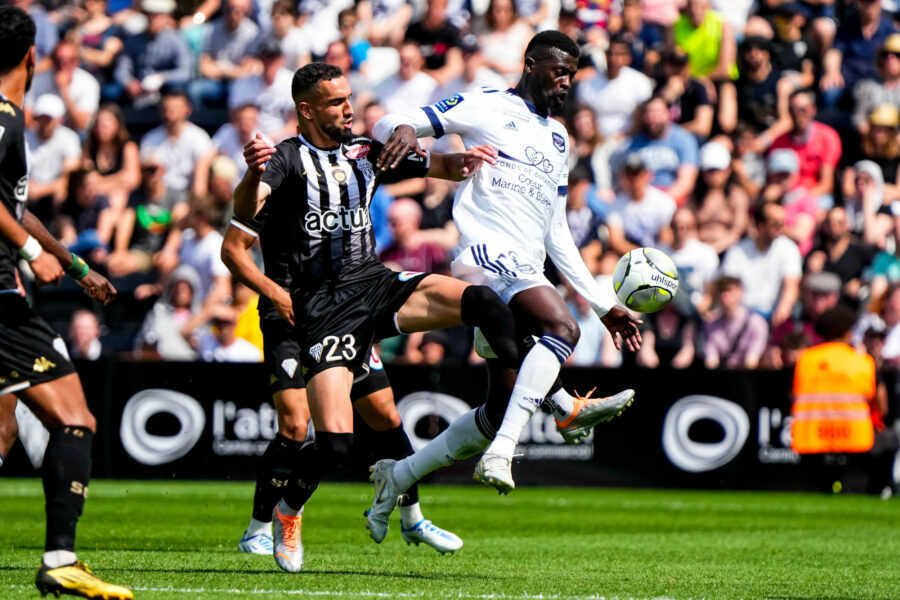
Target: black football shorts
pixel 31 353
pixel 337 324
pixel 282 354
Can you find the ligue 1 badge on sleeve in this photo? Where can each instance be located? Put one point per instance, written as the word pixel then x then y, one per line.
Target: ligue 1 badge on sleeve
pixel 448 103
pixel 559 142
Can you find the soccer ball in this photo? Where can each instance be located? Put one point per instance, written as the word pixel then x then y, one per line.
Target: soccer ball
pixel 645 280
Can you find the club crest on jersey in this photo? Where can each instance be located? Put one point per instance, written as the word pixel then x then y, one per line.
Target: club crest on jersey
pixel 448 103
pixel 559 142
pixel 339 175
pixel 357 151
pixel 407 275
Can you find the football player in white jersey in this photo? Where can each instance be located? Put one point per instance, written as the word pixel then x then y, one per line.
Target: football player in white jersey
pixel 510 215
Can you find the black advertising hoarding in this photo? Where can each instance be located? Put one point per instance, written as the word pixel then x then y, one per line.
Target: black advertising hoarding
pixel 686 428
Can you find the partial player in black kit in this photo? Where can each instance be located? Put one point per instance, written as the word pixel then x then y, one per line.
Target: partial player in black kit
pixel 342 296
pixel 372 397
pixel 34 363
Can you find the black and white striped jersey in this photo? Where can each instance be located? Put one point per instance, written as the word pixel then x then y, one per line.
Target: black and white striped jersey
pixel 13 182
pixel 315 226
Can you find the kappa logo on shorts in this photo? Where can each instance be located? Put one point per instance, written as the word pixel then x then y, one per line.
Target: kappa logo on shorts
pixel 559 142
pixel 42 365
pixel 316 352
pixel 407 275
pixel 290 366
pixel 448 103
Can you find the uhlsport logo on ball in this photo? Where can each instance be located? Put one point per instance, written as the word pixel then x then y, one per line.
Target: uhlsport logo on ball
pixel 645 280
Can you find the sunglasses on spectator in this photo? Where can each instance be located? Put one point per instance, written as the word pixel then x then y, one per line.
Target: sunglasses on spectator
pixel 150 168
pixel 886 54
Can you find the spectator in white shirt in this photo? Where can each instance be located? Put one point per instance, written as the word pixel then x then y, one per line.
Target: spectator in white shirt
pixel 77 88
pixel 641 214
pixel 615 95
pixel 475 74
pixel 697 263
pixel 768 265
pixel 289 36
pixel 270 91
pixel 219 344
pixel 410 87
pixel 227 53
pixel 54 152
pixel 187 148
pixel 229 140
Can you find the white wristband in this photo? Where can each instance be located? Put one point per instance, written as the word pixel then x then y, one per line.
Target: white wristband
pixel 31 250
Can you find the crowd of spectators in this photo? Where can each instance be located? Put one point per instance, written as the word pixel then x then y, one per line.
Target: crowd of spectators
pixel 757 142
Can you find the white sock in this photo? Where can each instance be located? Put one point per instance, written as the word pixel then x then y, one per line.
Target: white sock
pixel 286 510
pixel 59 558
pixel 459 441
pixel 259 527
pixel 410 515
pixel 536 375
pixel 562 404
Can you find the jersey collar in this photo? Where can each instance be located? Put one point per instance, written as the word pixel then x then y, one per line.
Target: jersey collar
pixel 531 107
pixel 315 148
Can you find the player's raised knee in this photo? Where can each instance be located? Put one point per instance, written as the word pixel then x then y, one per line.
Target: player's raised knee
pixel 566 328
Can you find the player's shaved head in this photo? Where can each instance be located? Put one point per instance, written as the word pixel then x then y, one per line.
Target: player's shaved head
pixel 308 77
pixel 551 60
pixel 17 33
pixel 547 41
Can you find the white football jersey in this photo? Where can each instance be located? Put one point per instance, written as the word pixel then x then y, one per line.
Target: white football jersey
pixel 520 202
pixel 514 199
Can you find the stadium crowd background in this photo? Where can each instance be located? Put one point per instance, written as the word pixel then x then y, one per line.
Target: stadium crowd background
pixel 756 141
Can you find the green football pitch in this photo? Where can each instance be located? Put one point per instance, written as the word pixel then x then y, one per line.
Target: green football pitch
pixel 177 540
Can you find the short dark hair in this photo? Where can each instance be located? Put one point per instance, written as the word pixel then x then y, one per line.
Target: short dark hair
pixel 17 32
pixel 175 91
pixel 545 40
pixel 309 76
pixel 835 323
pixel 727 281
pixel 620 40
pixel 809 93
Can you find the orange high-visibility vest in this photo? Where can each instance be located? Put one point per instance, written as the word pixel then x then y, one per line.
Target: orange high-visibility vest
pixel 832 383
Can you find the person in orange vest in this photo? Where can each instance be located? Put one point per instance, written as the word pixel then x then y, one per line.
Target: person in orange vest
pixel 836 407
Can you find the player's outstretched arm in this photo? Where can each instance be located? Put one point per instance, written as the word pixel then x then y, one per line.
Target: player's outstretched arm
pixel 250 194
pixel 45 268
pixel 238 240
pixel 621 323
pixel 95 285
pixel 459 166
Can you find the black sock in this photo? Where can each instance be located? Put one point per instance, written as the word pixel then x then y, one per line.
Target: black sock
pixel 481 307
pixel 314 462
pixel 275 467
pixel 65 473
pixel 394 443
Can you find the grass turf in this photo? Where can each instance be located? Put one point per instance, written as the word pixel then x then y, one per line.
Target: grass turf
pixel 178 540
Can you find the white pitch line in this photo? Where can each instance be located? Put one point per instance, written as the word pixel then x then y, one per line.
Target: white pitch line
pixel 368 594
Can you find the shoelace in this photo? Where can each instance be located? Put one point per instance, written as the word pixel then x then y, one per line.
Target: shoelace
pixel 291 527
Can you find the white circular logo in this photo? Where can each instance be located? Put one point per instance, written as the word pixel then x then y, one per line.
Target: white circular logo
pixel 697 457
pixel 150 449
pixel 418 405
